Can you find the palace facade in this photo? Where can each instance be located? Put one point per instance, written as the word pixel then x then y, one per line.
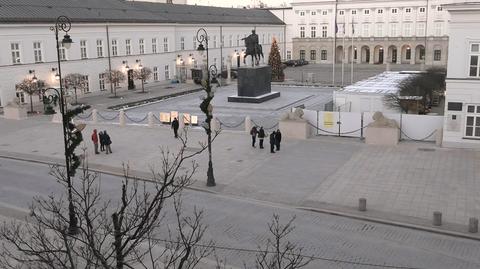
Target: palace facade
pixel 374 32
pixel 119 35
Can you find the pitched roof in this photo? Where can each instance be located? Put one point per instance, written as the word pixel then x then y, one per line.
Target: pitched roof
pixel 46 11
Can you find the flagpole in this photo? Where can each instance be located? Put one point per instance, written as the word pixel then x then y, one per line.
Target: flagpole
pixel 343 55
pixel 353 54
pixel 334 45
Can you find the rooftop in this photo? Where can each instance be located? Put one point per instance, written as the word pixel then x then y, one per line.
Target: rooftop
pixel 384 83
pixel 118 11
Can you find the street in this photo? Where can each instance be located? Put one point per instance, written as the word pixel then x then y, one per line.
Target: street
pixel 238 225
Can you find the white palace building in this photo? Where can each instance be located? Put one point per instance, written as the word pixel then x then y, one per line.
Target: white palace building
pixel 375 32
pixel 114 34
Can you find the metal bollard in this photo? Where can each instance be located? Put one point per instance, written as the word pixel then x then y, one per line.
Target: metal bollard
pixel 362 204
pixel 473 225
pixel 437 218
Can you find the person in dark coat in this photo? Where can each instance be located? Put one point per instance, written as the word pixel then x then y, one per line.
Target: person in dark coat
pixel 261 136
pixel 175 126
pixel 107 142
pixel 278 139
pixel 272 142
pixel 253 133
pixel 101 138
pixel 95 140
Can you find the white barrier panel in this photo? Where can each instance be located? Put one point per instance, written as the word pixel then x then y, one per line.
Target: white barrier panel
pixel 165 117
pixel 420 126
pixel 350 124
pixel 327 123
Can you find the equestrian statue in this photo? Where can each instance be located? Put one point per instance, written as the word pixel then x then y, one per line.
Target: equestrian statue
pixel 254 49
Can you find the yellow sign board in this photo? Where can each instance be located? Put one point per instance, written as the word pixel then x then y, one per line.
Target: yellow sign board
pixel 328 119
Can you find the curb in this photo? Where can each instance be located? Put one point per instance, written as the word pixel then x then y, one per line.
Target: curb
pixel 310 209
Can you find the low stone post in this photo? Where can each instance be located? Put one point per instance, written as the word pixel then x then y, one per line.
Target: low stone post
pixel 437 218
pixel 150 119
pixel 439 137
pixel 473 225
pixel 248 124
pixel 229 68
pixel 94 115
pixel 362 204
pixel 121 118
pixel 181 122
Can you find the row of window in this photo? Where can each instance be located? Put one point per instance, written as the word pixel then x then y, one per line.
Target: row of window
pixel 437 54
pixel 115 43
pixel 393 10
pixel 394 30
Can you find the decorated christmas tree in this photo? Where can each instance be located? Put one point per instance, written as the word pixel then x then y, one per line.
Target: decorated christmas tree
pixel 275 62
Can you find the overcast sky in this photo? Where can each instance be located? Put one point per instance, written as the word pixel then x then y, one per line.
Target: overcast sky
pixel 237 3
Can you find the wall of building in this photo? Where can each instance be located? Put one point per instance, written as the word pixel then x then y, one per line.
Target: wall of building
pixel 463 94
pixel 176 57
pixel 389 28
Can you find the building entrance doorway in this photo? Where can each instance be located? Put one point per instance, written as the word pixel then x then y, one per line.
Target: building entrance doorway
pixel 131 84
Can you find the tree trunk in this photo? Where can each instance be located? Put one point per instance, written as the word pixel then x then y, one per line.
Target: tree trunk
pixel 31 104
pixel 143 90
pixel 117 241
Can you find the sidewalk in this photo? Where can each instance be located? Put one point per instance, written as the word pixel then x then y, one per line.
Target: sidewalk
pixel 402 184
pixel 102 100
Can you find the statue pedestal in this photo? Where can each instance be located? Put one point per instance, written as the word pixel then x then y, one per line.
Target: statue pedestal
pixel 15 112
pixel 385 136
pixel 297 129
pixel 254 85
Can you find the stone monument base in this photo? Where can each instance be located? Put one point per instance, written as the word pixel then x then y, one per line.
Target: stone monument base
pixel 294 129
pixel 15 113
pixel 253 99
pixel 382 136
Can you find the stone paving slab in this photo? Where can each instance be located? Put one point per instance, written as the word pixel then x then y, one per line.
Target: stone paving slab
pixel 403 182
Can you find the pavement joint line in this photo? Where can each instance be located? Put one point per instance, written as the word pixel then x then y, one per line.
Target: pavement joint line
pixel 311 209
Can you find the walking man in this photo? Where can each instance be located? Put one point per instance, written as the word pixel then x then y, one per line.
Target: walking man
pixel 278 139
pixel 108 142
pixel 95 140
pixel 253 133
pixel 175 126
pixel 261 136
pixel 272 142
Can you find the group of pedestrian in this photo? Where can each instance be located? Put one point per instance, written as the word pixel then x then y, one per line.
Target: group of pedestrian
pixel 104 139
pixel 275 138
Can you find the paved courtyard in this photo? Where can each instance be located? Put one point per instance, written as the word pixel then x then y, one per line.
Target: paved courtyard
pixel 405 183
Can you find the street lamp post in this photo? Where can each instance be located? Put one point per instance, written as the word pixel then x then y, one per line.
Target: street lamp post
pixel 206 106
pixel 64 24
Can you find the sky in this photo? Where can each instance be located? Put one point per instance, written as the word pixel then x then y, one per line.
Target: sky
pixel 237 3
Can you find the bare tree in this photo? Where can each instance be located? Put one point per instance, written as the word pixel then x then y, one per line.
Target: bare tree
pixel 142 74
pixel 278 254
pixel 420 88
pixel 112 234
pixel 115 77
pixel 75 81
pixel 30 87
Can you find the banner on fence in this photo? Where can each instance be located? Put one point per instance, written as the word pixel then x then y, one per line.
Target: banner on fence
pixel 174 114
pixel 328 120
pixel 186 118
pixel 164 117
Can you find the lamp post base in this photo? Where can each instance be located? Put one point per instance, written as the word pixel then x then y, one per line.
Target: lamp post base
pixel 210 177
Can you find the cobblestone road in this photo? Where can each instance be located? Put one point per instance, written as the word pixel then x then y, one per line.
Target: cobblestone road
pixel 241 224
